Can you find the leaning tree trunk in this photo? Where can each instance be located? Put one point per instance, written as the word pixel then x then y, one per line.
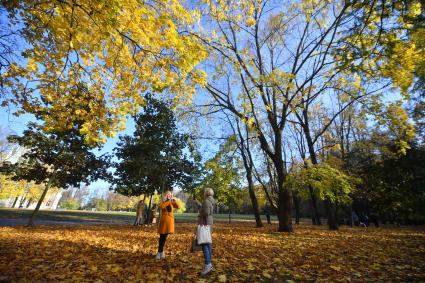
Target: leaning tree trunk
pixel 29 203
pixel 37 207
pixel 14 203
pixel 254 200
pixel 22 201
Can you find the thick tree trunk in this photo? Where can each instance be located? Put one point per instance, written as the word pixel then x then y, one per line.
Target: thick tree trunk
pixel 254 200
pixel 37 208
pixel 333 225
pixel 284 207
pixel 284 211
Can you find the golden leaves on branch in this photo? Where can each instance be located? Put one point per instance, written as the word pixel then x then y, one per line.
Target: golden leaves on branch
pixel 117 50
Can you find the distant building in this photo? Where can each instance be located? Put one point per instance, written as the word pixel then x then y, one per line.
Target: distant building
pixel 51 201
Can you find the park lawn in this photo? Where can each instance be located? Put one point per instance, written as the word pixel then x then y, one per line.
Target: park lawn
pixel 241 253
pixel 110 217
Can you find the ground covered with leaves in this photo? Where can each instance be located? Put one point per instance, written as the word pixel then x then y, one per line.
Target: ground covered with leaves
pixel 241 253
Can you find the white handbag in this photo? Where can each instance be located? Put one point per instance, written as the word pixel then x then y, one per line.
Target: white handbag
pixel 203 234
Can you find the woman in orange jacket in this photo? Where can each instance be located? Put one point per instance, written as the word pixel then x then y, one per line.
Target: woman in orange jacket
pixel 166 221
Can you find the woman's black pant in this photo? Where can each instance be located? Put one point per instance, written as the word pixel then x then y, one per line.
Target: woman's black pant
pixel 162 239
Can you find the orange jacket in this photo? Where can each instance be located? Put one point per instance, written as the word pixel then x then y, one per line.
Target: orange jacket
pixel 166 222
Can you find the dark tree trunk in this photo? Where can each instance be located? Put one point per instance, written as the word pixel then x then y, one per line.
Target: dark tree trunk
pixel 284 208
pixel 284 211
pixel 351 217
pixel 254 200
pixel 314 210
pixel 333 225
pixel 297 208
pixel 37 208
pixel 313 219
pixel 148 216
pixel 336 213
pixel 15 201
pixel 21 203
pixel 29 203
pixel 284 202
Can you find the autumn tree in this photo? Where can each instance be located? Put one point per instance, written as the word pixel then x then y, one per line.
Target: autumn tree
pixel 270 63
pixel 119 50
pixel 58 159
pixel 282 57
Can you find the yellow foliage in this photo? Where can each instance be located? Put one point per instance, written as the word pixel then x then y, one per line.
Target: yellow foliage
pixel 400 66
pixel 30 190
pixel 118 49
pixel 397 121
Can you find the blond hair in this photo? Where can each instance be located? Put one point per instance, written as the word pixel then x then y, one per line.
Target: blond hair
pixel 208 192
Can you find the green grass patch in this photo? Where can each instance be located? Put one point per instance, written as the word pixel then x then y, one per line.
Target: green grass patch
pixel 109 216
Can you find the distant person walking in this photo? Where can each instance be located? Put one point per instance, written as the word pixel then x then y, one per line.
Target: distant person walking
pixel 205 218
pixel 139 213
pixel 152 215
pixel 166 221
